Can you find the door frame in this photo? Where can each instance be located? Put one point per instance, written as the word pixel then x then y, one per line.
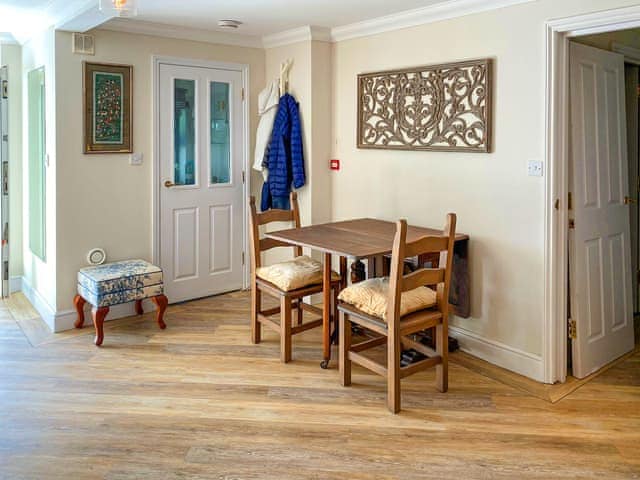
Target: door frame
pixel 556 250
pixel 243 68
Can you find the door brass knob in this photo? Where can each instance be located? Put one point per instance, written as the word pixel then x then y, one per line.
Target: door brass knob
pixel 169 184
pixel 629 200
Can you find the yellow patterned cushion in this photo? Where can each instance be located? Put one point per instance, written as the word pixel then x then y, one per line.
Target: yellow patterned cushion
pixel 371 297
pixel 293 274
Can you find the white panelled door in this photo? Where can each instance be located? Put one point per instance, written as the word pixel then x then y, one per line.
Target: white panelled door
pixel 600 255
pixel 201 163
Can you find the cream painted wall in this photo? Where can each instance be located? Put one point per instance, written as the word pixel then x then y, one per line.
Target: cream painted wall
pixel 102 200
pixel 310 84
pixel 497 203
pixel 11 56
pixel 321 81
pixel 39 277
pixel 300 88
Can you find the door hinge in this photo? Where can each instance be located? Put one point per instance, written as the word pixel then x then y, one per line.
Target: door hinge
pixel 244 176
pixel 572 224
pixel 570 201
pixel 573 330
pixel 242 258
pixel 5 89
pixel 242 93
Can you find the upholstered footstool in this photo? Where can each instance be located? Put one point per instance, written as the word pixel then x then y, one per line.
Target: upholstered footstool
pixel 113 283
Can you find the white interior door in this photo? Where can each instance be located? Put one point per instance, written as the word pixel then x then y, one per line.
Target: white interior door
pixel 600 254
pixel 201 163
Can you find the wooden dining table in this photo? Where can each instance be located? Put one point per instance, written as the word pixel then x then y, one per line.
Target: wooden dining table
pixel 362 238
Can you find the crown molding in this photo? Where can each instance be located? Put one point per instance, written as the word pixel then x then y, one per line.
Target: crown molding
pixel 182 33
pixel 409 18
pixel 419 16
pixel 296 35
pixel 7 39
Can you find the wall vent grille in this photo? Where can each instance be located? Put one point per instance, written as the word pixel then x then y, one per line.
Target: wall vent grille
pixel 83 44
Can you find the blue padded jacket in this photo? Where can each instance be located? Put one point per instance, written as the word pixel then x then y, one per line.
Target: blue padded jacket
pixel 285 158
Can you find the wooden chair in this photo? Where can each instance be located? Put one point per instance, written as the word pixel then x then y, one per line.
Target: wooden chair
pixel 289 300
pixel 395 331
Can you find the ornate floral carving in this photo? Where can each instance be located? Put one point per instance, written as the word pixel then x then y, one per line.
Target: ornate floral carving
pixel 440 107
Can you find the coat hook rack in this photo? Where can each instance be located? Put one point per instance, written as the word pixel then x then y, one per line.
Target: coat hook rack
pixel 284 76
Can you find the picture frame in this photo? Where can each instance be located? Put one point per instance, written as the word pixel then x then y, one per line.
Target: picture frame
pixel 107 107
pixel 445 107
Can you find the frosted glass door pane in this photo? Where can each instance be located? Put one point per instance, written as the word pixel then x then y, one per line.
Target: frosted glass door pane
pixel 184 132
pixel 36 139
pixel 220 133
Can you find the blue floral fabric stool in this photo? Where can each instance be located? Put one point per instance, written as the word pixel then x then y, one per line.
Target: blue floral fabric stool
pixel 113 283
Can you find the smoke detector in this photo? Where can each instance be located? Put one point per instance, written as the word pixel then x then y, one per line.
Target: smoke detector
pixel 230 24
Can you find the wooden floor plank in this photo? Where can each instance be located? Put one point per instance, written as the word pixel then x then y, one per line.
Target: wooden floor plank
pixel 199 401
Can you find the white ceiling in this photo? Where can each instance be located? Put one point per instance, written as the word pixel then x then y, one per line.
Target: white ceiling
pixel 266 17
pixel 17 16
pixel 262 20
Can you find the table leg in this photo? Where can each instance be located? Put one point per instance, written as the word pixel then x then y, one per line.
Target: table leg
pixel 79 302
pixel 326 311
pixel 139 309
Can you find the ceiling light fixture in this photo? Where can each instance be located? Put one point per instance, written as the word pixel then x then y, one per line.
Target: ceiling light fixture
pixel 230 24
pixel 119 8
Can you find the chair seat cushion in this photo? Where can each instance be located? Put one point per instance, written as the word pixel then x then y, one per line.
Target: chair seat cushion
pixel 294 274
pixel 371 296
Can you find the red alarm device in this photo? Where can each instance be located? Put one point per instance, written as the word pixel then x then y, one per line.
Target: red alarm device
pixel 334 164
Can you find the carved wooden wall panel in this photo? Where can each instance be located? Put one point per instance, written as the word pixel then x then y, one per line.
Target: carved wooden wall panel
pixel 439 107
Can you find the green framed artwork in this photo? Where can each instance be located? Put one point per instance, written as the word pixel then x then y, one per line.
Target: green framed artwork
pixel 107 108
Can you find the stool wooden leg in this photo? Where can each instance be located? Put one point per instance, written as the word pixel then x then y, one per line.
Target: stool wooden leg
pixel 79 302
pixel 161 302
pixel 99 315
pixel 139 309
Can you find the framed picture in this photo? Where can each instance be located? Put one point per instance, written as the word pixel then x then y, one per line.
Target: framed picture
pixel 107 108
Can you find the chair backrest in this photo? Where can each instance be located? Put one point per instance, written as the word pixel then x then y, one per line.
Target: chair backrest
pixel 256 220
pixel 441 276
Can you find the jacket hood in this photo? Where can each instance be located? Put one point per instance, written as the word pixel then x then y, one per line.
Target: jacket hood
pixel 268 98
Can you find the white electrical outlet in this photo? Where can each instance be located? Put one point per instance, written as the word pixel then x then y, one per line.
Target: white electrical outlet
pixel 534 168
pixel 135 159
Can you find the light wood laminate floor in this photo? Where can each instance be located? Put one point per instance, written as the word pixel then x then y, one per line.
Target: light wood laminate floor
pixel 198 401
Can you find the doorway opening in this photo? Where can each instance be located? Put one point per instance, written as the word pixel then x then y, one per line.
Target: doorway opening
pixel 603 268
pixel 559 33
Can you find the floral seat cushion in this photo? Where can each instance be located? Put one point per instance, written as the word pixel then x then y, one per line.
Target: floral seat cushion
pixel 119 282
pixel 371 296
pixel 294 274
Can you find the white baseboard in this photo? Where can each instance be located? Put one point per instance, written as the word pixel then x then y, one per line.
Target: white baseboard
pixel 15 284
pixel 518 361
pixel 46 311
pixel 65 319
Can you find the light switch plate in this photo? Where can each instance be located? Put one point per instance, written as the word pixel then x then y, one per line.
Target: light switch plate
pixel 135 159
pixel 534 168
